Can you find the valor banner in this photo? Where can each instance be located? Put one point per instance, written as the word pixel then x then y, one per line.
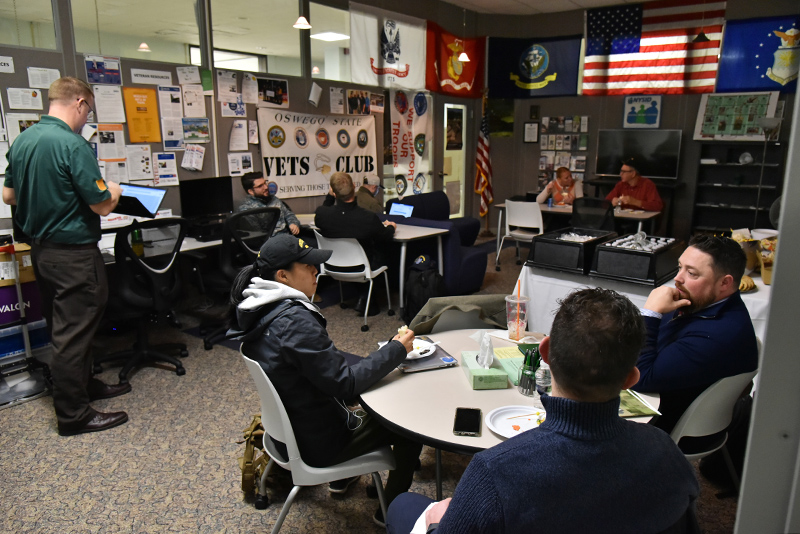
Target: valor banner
pixel 411 135
pixel 760 55
pixel 445 73
pixel 301 150
pixel 525 68
pixel 386 49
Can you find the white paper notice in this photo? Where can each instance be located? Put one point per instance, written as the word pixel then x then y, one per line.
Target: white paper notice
pixel 233 109
pixel 188 75
pixel 238 140
pixel 227 89
pixel 140 162
pixel 238 164
pixel 116 171
pixel 194 103
pixel 172 134
pixel 42 78
pixel 3 160
pixel 151 77
pixel 18 123
pixel 166 169
pixel 108 103
pixel 24 98
pixel 169 102
pixel 253 132
pixel 111 146
pixel 249 89
pixel 7 64
pixel 337 100
pixel 88 131
pixel 193 158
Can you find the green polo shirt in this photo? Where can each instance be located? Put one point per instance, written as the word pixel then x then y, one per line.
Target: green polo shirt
pixel 55 178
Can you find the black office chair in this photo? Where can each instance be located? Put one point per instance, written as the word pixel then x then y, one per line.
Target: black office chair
pixel 146 287
pixel 242 237
pixel 592 213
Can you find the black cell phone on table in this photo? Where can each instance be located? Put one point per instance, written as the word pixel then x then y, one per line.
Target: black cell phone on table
pixel 467 422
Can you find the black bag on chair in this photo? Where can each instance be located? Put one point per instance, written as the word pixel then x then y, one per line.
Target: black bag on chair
pixel 424 282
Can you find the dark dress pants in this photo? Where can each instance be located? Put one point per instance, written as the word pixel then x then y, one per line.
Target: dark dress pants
pixel 74 291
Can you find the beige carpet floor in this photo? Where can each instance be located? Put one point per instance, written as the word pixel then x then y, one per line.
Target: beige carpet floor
pixel 173 467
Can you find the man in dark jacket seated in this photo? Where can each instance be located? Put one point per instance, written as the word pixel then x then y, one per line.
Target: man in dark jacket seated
pixel 584 469
pixel 346 219
pixel 698 331
pixel 285 333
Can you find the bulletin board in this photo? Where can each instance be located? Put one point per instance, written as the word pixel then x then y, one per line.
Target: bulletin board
pixel 733 116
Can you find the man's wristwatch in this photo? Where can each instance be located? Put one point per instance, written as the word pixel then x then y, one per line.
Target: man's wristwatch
pixel 432 527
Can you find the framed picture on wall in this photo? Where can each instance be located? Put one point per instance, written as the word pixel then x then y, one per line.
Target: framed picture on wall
pixel 531 132
pixel 733 116
pixel 642 111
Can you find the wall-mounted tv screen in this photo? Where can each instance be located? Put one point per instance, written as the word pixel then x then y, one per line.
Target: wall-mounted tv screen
pixel 657 152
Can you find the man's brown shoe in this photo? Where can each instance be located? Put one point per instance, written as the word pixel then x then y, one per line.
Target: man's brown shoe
pixel 98 390
pixel 101 421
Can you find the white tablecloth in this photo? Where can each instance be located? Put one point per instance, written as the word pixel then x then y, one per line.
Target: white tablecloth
pixel 545 287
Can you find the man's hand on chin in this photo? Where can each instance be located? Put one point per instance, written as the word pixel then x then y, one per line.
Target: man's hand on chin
pixel 665 299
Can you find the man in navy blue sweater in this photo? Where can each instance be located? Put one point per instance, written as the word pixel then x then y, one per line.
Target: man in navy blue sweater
pixel 698 331
pixel 584 469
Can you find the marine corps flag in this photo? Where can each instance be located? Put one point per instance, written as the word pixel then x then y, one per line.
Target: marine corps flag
pixel 525 68
pixel 444 72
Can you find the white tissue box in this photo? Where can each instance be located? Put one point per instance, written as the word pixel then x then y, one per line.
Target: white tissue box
pixel 478 377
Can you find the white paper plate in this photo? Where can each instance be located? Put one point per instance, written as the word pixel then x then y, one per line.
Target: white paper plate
pixel 499 422
pixel 422 349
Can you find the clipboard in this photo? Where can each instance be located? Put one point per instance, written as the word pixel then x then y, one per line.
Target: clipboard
pixel 140 201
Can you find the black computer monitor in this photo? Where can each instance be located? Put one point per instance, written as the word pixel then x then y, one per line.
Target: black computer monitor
pixel 206 197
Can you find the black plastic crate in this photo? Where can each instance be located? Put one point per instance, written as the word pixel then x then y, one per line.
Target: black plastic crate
pixel 549 251
pixel 647 267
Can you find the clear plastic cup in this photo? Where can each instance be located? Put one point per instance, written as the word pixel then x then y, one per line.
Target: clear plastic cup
pixel 517 316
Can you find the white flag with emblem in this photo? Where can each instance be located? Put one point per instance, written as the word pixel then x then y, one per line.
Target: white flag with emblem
pixel 386 49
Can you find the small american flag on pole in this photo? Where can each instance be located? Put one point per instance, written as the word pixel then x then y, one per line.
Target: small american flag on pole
pixel 650 48
pixel 483 176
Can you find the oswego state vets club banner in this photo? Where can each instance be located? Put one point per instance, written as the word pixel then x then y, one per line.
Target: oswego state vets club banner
pixel 445 73
pixel 386 49
pixel 524 68
pixel 301 151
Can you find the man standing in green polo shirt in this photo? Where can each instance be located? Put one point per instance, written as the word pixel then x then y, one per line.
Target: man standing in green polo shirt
pixel 55 183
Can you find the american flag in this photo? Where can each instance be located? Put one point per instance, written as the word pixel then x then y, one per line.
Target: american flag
pixel 648 49
pixel 483 177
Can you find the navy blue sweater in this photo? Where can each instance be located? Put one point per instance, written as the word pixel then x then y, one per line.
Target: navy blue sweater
pixel 684 355
pixel 583 470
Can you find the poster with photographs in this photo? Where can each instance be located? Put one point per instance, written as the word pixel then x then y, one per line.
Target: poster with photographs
pixel 16 123
pixel 455 122
pixel 734 116
pixel 273 93
pixel 357 102
pixel 377 102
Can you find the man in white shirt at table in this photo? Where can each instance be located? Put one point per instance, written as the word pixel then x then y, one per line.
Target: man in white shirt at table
pixel 584 469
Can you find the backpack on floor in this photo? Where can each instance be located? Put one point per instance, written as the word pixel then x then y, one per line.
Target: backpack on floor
pixel 424 282
pixel 255 459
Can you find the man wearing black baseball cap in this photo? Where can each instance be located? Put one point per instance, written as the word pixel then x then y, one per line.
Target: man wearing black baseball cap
pixel 285 332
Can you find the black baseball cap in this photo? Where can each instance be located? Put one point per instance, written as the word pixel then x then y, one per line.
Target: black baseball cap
pixel 282 250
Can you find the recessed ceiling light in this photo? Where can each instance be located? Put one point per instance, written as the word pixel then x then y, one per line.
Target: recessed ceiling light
pixel 330 36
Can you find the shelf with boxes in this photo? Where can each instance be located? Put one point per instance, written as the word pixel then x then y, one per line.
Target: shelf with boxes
pixel 737 182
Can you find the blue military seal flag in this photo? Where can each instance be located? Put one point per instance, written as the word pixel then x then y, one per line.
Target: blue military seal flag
pixel 524 68
pixel 420 104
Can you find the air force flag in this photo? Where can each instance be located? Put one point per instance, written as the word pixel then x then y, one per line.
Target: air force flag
pixel 760 55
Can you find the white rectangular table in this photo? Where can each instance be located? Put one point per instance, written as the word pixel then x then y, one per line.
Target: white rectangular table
pixel 545 287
